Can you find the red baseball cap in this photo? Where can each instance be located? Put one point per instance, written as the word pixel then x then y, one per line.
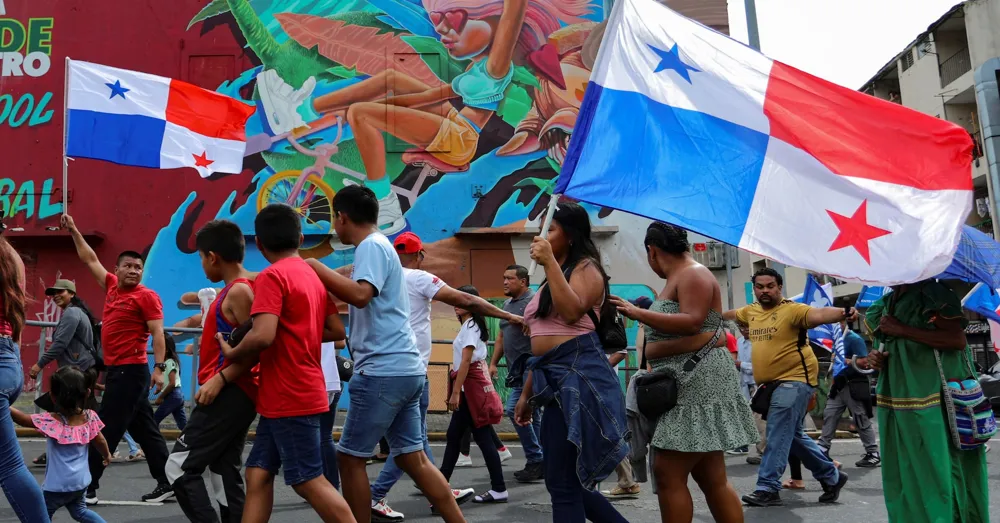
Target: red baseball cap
pixel 408 243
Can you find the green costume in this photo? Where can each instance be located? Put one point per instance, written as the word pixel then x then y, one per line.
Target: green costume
pixel 925 478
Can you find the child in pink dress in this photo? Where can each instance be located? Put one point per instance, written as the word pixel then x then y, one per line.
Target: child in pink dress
pixel 70 431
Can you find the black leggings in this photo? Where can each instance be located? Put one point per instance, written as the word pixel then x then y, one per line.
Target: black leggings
pixel 461 424
pixel 795 467
pixel 467 441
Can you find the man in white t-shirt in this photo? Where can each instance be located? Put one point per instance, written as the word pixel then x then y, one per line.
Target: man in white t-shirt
pixel 331 373
pixel 423 288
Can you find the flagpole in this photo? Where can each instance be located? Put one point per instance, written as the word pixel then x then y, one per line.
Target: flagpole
pixel 65 159
pixel 553 203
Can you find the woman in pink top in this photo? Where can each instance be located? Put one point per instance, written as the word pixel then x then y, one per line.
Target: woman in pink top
pixel 584 422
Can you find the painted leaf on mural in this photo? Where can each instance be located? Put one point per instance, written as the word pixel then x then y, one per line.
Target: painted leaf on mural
pixel 408 15
pixel 543 185
pixel 214 8
pixel 525 77
pixel 515 104
pixel 361 48
pixel 343 72
pixel 446 67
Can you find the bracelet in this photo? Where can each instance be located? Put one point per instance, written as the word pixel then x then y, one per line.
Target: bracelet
pixel 223 376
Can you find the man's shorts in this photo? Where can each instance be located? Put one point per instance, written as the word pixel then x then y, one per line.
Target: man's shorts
pixel 290 443
pixel 383 406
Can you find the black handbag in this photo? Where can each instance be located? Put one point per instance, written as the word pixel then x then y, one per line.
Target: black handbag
pixel 345 368
pixel 656 392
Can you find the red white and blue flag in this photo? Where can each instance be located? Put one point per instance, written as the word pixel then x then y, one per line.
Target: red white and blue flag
pixel 133 118
pixel 682 124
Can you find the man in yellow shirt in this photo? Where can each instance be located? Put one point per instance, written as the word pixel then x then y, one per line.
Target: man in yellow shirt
pixel 784 362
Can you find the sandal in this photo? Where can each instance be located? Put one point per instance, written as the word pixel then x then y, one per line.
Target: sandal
pixel 792 484
pixel 40 460
pixel 488 498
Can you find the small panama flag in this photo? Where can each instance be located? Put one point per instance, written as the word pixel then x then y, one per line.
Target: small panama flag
pixel 133 118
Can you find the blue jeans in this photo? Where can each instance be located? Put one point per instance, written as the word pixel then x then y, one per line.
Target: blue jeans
pixel 329 448
pixel 528 435
pixel 74 503
pixel 383 406
pixel 391 472
pixel 786 436
pixel 20 487
pixel 571 503
pixel 133 447
pixel 173 404
pixel 292 444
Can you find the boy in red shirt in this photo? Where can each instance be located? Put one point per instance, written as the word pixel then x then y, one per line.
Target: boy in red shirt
pixel 292 316
pixel 217 431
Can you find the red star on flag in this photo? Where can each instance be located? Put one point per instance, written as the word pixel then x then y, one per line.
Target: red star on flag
pixel 855 231
pixel 202 160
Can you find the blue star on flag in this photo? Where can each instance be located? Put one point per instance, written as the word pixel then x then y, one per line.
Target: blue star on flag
pixel 117 89
pixel 672 60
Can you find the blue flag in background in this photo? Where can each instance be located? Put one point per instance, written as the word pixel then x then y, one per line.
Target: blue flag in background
pixel 983 300
pixel 829 336
pixel 869 295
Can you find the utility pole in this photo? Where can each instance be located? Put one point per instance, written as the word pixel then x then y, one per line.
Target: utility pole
pixel 753 38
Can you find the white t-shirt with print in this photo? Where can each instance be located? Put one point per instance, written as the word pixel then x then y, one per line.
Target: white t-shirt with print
pixel 422 286
pixel 467 336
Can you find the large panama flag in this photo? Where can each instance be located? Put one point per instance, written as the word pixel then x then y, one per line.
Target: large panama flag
pixel 682 124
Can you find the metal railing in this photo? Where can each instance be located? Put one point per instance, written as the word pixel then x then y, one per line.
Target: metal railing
pixel 629 366
pixel 955 66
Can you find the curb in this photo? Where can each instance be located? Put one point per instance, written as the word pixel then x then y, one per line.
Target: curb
pixel 173 434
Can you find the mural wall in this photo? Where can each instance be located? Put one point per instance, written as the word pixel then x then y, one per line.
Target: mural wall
pixel 457 113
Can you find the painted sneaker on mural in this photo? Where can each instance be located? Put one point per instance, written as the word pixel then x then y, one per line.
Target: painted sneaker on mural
pixel 390 220
pixel 281 101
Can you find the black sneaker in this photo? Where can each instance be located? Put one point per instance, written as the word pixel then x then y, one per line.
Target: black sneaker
pixel 160 493
pixel 753 460
pixel 831 493
pixel 763 498
pixel 869 461
pixel 532 472
pixel 91 497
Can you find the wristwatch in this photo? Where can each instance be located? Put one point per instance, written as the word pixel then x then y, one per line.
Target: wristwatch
pixel 160 366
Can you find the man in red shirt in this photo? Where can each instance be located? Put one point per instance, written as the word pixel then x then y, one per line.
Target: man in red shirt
pixel 292 317
pixel 216 434
pixel 131 313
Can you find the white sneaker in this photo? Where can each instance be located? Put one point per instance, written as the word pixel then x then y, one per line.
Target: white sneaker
pixel 281 101
pixel 464 461
pixel 463 494
pixel 505 454
pixel 390 215
pixel 381 511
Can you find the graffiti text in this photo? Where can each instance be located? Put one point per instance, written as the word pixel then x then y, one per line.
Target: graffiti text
pixel 24 110
pixel 25 50
pixel 26 199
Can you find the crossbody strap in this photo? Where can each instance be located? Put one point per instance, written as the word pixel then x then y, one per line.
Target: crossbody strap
pixel 693 361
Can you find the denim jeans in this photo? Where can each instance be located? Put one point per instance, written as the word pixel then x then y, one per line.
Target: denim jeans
pixel 383 406
pixel 528 435
pixel 571 503
pixel 173 404
pixel 291 444
pixel 329 448
pixel 391 472
pixel 786 436
pixel 20 487
pixel 133 447
pixel 74 503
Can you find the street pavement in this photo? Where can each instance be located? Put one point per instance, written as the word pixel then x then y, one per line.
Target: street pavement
pixel 860 502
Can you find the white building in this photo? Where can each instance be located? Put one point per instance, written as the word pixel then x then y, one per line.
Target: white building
pixel 934 75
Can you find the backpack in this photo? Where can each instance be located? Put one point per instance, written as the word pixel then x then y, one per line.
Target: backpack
pixel 610 327
pixel 96 349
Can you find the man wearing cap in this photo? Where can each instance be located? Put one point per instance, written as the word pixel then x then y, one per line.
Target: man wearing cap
pixel 423 288
pixel 73 338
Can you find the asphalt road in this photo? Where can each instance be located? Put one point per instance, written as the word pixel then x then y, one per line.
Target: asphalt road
pixel 861 500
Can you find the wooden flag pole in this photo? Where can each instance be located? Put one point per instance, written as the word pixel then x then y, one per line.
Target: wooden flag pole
pixel 544 233
pixel 65 159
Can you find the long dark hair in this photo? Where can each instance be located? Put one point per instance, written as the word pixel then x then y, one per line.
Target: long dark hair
pixel 76 301
pixel 171 348
pixel 478 319
pixel 14 297
pixel 68 388
pixel 575 223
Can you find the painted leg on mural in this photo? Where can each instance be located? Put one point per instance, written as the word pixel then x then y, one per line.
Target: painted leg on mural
pixel 373 89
